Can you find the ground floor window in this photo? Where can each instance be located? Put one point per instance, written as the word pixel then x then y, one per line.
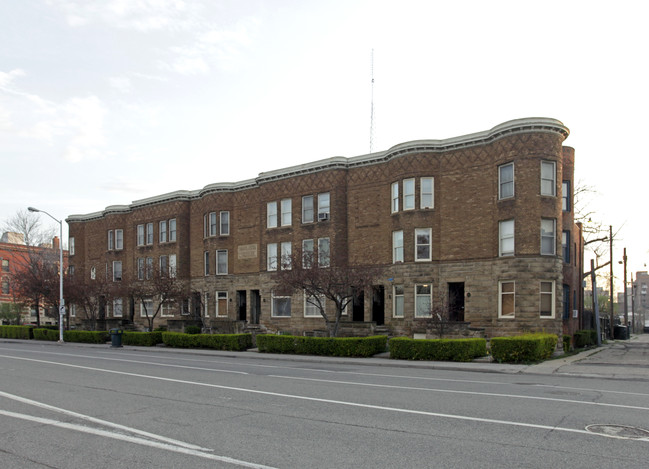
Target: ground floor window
pixel 280 305
pixel 423 300
pixel 117 308
pixel 506 299
pixel 547 300
pixel 221 303
pixel 311 303
pixel 146 307
pixel 168 308
pixel 397 305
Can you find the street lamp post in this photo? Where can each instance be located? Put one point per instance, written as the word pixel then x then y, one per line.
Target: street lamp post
pixel 61 300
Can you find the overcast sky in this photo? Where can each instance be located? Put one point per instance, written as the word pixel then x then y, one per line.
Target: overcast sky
pixel 110 101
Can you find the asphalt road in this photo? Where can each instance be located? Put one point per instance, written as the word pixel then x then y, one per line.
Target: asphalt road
pixel 63 406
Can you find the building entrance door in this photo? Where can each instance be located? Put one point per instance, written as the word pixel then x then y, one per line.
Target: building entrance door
pixel 241 304
pixel 255 306
pixel 378 304
pixel 456 301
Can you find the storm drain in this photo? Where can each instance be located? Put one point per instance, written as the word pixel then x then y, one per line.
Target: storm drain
pixel 619 431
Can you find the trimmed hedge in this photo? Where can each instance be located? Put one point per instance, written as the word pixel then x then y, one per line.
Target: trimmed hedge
pixel 459 350
pixel 86 337
pixel 47 334
pixel 523 348
pixel 16 332
pixel 327 346
pixel 567 340
pixel 233 342
pixel 145 339
pixel 585 338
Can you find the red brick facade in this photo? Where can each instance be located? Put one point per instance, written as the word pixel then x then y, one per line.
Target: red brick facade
pixel 448 203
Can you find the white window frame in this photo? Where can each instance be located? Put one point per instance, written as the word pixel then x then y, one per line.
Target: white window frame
pixel 324 206
pixel 119 239
pixel 286 251
pixel 149 311
pixel 111 240
pixel 172 230
pixel 164 265
pixel 271 257
pixel 501 295
pixel 307 209
pixel 552 299
pixel 549 235
pixel 273 306
pixel 73 310
pixel 419 311
pixel 286 213
pixel 140 268
pixel 308 249
pixel 426 193
pixel 224 224
pixel 429 233
pixel 221 295
pixel 397 246
pixel 324 246
pixel 71 246
pixel 504 184
pixel 172 266
pixel 162 231
pixel 148 271
pixel 565 246
pixel 211 224
pixel 394 193
pixel 149 233
pixel 565 196
pixel 546 179
pixel 398 304
pixel 206 304
pixel 312 311
pixel 271 215
pixel 140 235
pixel 167 309
pixel 221 262
pixel 506 236
pixel 118 308
pixel 117 278
pixel 409 194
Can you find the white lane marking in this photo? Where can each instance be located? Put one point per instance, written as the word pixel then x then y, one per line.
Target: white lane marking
pixel 471 393
pixel 100 421
pixel 134 439
pixel 330 401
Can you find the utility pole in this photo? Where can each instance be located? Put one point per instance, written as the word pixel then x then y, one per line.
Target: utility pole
pixel 626 299
pixel 595 302
pixel 610 240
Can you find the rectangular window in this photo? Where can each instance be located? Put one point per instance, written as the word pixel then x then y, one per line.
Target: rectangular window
pixel 168 308
pixel 117 308
pixel 547 300
pixel 140 268
pixel 397 305
pixel 164 266
pixel 111 240
pixel 71 246
pixel 566 301
pixel 408 194
pixel 423 244
pixel 395 197
pixel 307 253
pixel 271 256
pixel 312 305
pixel 565 246
pixel 148 272
pixel 71 270
pixel 221 303
pixel 172 230
pixel 397 246
pixel 149 233
pixel 119 239
pixel 565 196
pixel 73 310
pixel 506 299
pixel 506 181
pixel 206 262
pixel 162 231
pixel 324 254
pixel 222 262
pixel 206 304
pixel 323 206
pixel 286 253
pixel 146 307
pixel 426 190
pixel 172 265
pixel 271 215
pixel 225 223
pixel 5 287
pixel 423 301
pixel 117 271
pixel 548 178
pixel 307 209
pixel 280 306
pixel 506 237
pixel 5 265
pixel 548 244
pixel 211 219
pixel 287 212
pixel 140 235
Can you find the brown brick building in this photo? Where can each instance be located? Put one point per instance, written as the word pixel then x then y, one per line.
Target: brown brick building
pixel 481 225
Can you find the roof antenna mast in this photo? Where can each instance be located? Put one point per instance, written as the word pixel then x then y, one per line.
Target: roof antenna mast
pixel 372 107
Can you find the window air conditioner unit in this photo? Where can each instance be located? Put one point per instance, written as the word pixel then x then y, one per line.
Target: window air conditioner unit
pixel 323 216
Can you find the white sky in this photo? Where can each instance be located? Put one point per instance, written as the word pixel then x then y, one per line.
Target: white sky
pixel 109 101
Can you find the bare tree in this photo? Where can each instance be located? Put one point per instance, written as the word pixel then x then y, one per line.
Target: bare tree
pixel 440 318
pixel 91 296
pixel 320 281
pixel 29 225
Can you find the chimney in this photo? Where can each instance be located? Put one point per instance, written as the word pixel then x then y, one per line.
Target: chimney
pixel 55 243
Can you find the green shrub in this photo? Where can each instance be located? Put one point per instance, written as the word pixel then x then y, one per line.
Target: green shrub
pixel 145 339
pixel 462 350
pixel 524 348
pixel 234 342
pixel 46 334
pixel 585 338
pixel 86 337
pixel 567 340
pixel 16 332
pixel 327 346
pixel 192 329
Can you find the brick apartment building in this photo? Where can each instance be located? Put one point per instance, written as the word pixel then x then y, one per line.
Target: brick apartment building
pixel 14 257
pixel 482 224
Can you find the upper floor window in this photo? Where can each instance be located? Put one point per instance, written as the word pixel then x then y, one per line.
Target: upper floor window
pixel 565 196
pixel 162 231
pixel 286 253
pixel 271 256
pixel 172 230
pixel 548 178
pixel 140 235
pixel 506 237
pixel 271 215
pixel 307 253
pixel 323 206
pixel 210 224
pixel 71 246
pixel 119 239
pixel 225 223
pixel 149 233
pixel 395 197
pixel 397 246
pixel 548 236
pixel 427 186
pixel 423 244
pixel 408 194
pixel 206 262
pixel 286 212
pixel 506 299
pixel 307 209
pixel 5 265
pixel 222 262
pixel 111 241
pixel 565 246
pixel 164 266
pixel 506 181
pixel 5 287
pixel 117 271
pixel 324 254
pixel 140 268
pixel 172 265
